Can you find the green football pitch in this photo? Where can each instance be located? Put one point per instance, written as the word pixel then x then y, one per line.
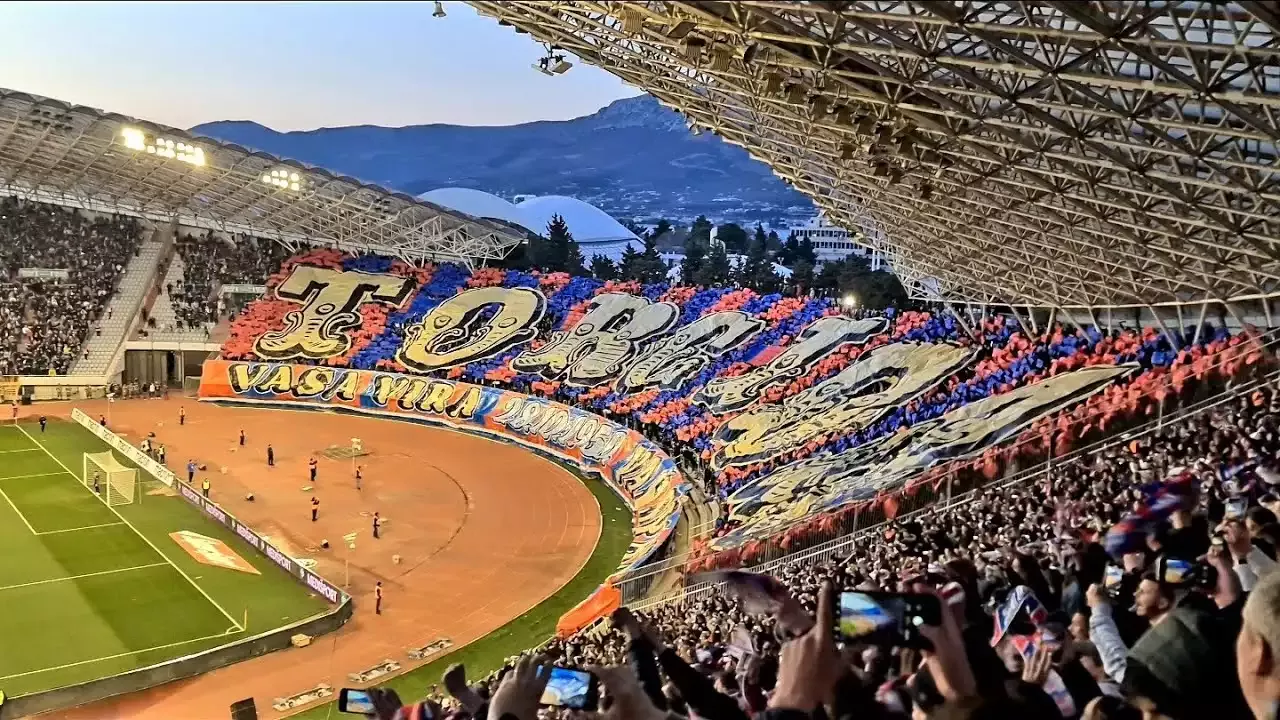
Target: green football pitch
pixel 89 590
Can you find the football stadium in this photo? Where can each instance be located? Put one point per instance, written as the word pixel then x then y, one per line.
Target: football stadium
pixel 271 433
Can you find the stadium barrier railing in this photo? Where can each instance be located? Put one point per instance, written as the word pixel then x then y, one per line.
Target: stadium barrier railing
pixel 205 661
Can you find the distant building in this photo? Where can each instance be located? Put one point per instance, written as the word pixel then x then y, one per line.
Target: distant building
pixel 833 244
pixel 592 228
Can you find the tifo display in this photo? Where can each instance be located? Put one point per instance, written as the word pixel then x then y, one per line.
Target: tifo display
pixel 794 412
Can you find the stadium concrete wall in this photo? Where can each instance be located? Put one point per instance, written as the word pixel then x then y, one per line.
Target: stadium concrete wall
pixel 181 668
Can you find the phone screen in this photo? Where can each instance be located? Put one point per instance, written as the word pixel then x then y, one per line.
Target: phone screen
pixel 570 688
pixel 889 617
pixel 1236 508
pixel 1112 577
pixel 355 701
pixel 1175 571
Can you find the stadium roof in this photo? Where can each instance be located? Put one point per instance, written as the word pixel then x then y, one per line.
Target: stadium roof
pixel 1067 153
pixel 73 155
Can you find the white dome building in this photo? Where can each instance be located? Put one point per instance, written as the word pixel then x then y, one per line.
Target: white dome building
pixel 480 204
pixel 593 229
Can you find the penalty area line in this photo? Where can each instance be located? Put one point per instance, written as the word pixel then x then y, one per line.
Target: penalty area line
pixel 77 577
pixel 139 533
pixel 117 656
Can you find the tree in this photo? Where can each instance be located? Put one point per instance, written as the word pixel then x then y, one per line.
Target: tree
pixel 790 251
pixel 715 270
pixel 773 244
pixel 701 228
pixel 853 277
pixel 645 266
pixel 695 252
pixel 654 270
pixel 733 237
pixel 756 272
pixel 802 277
pixel 630 263
pixel 557 252
pixel 662 228
pixel 806 251
pixel 602 268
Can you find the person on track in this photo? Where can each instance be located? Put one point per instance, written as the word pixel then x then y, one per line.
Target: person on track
pixel 315 509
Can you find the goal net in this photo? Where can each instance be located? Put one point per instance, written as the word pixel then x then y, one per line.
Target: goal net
pixel 115 483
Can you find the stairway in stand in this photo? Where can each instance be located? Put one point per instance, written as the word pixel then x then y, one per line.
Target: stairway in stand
pixel 112 328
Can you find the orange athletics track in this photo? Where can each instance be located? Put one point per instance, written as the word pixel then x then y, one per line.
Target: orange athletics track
pixel 485 531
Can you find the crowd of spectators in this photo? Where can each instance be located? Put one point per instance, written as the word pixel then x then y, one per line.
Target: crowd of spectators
pixel 1136 582
pixel 44 321
pixel 209 263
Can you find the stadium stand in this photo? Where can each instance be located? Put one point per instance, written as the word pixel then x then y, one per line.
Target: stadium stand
pixel 59 269
pixel 190 301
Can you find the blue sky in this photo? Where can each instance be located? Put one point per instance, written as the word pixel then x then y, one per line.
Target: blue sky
pixel 290 66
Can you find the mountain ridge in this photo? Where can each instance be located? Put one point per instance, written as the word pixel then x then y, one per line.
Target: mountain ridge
pixel 633 158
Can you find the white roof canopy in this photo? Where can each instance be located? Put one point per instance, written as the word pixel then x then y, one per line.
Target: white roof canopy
pixel 1053 153
pixel 78 156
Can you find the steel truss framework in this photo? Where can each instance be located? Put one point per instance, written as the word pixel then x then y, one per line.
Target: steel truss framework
pixel 74 155
pixel 1064 154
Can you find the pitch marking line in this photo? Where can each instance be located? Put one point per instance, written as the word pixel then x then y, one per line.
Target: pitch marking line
pixel 20 515
pixel 77 529
pixel 120 655
pixel 145 539
pixel 77 577
pixel 33 475
pixel 4 452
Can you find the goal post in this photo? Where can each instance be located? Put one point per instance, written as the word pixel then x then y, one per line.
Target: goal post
pixel 117 484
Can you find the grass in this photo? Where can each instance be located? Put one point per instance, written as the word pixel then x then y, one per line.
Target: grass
pixel 530 629
pixel 88 591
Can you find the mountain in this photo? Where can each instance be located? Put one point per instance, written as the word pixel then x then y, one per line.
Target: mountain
pixel 633 158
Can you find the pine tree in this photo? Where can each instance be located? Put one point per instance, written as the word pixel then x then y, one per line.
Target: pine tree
pixel 715 271
pixel 602 268
pixel 701 228
pixel 629 267
pixel 560 253
pixel 733 237
pixel 806 251
pixel 662 228
pixel 756 271
pixel 802 277
pixel 695 253
pixel 653 269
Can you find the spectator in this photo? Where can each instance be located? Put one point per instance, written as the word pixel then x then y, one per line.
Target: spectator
pixel 44 322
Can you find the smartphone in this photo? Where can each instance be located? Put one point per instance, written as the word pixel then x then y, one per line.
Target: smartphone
pixel 356 702
pixel 1236 508
pixel 571 688
pixel 1112 578
pixel 889 618
pixel 1174 571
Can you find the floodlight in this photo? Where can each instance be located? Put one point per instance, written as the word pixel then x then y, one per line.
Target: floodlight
pixel 134 139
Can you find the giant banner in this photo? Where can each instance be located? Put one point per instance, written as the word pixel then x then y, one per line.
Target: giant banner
pixel 825 483
pixel 639 471
pixel 626 341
